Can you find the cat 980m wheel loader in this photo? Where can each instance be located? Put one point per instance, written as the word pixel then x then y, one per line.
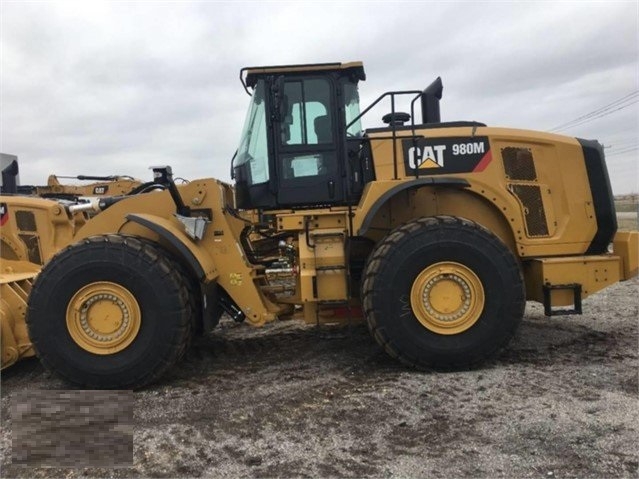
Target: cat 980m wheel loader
pixel 438 232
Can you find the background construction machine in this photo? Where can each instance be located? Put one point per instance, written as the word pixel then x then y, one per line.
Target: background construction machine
pixel 32 230
pixel 437 232
pixel 112 185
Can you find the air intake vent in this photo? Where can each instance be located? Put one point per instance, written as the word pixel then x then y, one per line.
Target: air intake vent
pixel 26 221
pixel 32 242
pixel 530 197
pixel 519 164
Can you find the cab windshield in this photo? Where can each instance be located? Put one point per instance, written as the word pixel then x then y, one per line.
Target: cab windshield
pixel 253 147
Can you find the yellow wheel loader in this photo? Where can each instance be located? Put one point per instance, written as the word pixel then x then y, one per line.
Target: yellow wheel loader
pixel 438 232
pixel 16 278
pixel 112 185
pixel 32 230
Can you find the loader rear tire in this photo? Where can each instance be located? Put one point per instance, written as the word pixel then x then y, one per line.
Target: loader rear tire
pixel 442 293
pixel 110 312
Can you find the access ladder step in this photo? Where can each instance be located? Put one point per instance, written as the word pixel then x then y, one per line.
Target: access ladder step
pixel 330 268
pixel 334 302
pixel 334 234
pixel 576 291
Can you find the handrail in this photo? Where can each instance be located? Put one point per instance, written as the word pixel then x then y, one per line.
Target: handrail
pixel 378 100
pixel 418 94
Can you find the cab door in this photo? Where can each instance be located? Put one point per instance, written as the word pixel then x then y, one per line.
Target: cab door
pixel 306 145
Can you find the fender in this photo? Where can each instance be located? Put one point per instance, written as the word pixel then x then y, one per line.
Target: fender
pixel 198 260
pixel 405 186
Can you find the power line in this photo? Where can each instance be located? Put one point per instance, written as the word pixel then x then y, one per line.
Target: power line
pixel 608 109
pixel 622 143
pixel 599 116
pixel 599 110
pixel 595 117
pixel 621 151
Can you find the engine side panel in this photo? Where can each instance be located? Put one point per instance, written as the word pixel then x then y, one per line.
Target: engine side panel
pixel 555 198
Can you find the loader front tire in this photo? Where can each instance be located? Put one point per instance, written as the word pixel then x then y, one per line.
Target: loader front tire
pixel 110 312
pixel 442 293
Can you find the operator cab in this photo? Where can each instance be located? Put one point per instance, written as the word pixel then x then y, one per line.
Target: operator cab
pixel 294 142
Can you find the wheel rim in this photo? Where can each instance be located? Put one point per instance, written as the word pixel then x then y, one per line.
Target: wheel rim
pixel 103 318
pixel 447 298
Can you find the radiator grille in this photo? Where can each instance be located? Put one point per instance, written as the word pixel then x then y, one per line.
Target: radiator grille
pixel 530 197
pixel 519 164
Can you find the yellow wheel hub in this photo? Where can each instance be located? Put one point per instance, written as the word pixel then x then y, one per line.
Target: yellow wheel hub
pixel 103 318
pixel 447 298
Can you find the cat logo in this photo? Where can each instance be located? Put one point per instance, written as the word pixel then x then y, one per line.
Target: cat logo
pixel 426 157
pixel 439 156
pixel 4 214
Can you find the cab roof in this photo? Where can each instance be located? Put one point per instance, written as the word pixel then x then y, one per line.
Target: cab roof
pixel 253 73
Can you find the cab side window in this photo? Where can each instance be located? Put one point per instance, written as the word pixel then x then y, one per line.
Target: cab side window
pixel 306 128
pixel 306 119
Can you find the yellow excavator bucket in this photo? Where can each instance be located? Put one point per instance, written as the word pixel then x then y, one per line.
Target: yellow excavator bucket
pixel 16 278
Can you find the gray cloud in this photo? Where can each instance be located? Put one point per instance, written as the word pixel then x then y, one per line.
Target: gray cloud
pixel 101 88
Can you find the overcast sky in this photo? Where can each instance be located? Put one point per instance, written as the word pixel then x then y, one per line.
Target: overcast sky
pixel 115 87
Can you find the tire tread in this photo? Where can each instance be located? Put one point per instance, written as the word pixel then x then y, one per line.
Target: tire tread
pixel 383 253
pixel 149 254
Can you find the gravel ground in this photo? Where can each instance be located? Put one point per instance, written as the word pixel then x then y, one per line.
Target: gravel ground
pixel 289 401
